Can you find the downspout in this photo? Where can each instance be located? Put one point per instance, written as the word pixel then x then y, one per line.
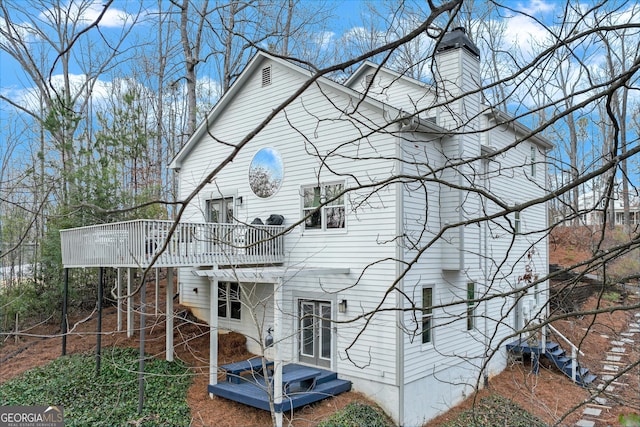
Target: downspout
pixel 169 316
pixel 278 334
pixel 213 331
pixel 119 298
pixel 485 254
pixel 487 151
pixel 129 297
pixel 546 249
pixel 400 304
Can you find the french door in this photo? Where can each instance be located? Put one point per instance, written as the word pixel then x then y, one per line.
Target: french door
pixel 315 332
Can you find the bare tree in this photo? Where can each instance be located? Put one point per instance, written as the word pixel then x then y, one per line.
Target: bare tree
pixel 568 98
pixel 618 59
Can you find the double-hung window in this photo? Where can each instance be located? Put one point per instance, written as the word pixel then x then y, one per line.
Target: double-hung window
pixel 323 207
pixel 533 161
pixel 471 311
pixel 229 304
pixel 517 222
pixel 427 315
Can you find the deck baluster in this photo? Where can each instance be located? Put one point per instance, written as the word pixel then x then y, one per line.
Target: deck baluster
pixel 135 243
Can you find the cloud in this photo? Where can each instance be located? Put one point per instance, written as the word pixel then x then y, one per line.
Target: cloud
pixel 537 7
pixel 28 98
pixel 113 17
pixel 521 31
pixel 20 32
pixel 88 13
pixel 324 39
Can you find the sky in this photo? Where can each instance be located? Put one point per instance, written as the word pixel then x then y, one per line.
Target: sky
pixel 520 30
pixel 347 17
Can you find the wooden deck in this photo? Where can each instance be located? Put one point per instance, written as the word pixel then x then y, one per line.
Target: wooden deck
pixel 136 244
pixel 302 385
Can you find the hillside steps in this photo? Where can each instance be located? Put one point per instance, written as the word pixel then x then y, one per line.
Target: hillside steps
pixel 555 354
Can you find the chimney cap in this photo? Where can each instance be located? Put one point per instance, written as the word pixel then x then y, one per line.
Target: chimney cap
pixel 457 38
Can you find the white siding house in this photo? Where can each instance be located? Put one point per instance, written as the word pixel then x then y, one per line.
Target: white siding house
pixel 596 207
pixel 380 183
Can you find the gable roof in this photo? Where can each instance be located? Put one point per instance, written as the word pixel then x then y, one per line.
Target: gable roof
pixel 368 65
pixel 497 115
pixel 254 64
pixel 501 117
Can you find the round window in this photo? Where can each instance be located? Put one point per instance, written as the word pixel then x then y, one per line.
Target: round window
pixel 265 172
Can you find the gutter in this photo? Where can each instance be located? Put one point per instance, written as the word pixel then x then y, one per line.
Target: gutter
pixel 502 118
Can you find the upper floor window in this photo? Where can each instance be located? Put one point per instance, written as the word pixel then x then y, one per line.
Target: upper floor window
pixel 517 222
pixel 331 214
pixel 219 210
pixel 533 161
pixel 266 172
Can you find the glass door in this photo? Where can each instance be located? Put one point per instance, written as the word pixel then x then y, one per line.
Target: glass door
pixel 315 333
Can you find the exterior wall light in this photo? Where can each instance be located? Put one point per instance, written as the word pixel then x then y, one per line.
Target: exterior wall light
pixel 342 306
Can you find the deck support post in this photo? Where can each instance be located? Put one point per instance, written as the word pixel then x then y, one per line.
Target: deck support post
pixel 169 314
pixel 129 302
pixel 277 342
pixel 157 272
pixel 213 332
pixel 65 299
pixel 99 322
pixel 119 297
pixel 143 293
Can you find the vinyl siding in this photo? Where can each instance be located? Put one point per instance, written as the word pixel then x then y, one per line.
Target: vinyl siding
pixel 412 97
pixel 454 349
pixel 339 149
pixel 452 343
pixel 370 223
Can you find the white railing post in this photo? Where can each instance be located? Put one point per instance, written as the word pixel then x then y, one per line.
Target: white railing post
pixel 574 364
pixel 574 352
pixel 543 339
pixel 134 244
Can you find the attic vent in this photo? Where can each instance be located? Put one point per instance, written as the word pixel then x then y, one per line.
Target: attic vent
pixel 368 80
pixel 266 76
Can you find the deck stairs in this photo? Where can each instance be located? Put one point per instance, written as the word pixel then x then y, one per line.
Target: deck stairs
pixel 555 354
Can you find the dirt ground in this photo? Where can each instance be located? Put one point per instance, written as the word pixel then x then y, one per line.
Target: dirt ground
pixel 191 341
pixel 549 395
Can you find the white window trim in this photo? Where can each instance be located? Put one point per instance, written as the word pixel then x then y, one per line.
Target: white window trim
pixel 235 204
pixel 533 161
pixel 517 222
pixel 470 308
pixel 431 343
pixel 228 300
pixel 323 229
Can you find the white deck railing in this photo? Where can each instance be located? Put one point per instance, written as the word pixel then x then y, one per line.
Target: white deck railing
pixel 574 351
pixel 135 243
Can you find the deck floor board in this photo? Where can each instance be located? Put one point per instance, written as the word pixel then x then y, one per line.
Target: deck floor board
pixel 253 391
